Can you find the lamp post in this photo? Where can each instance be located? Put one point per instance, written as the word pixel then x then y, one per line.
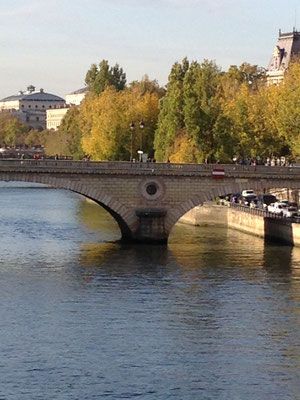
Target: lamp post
pixel 132 126
pixel 142 126
pixel 132 129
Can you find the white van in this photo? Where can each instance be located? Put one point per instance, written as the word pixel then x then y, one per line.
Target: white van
pixel 248 192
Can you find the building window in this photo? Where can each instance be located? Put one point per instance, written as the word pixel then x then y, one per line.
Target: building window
pixel 29 106
pixel 37 118
pixel 43 106
pixel 36 106
pixel 50 106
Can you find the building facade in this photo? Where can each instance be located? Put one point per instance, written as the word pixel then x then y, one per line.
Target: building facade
pixel 75 98
pixel 31 106
pixel 286 49
pixel 54 117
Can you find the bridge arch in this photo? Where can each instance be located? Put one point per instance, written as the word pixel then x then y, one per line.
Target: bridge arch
pixel 209 195
pixel 124 217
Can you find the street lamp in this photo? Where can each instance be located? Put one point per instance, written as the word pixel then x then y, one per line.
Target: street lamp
pixel 132 129
pixel 132 126
pixel 140 152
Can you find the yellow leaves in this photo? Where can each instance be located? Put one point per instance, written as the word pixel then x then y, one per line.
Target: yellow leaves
pixel 105 122
pixel 185 150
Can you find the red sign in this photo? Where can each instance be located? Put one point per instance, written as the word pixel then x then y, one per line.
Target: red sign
pixel 218 173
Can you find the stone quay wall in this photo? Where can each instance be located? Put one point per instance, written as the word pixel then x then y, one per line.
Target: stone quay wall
pixel 248 222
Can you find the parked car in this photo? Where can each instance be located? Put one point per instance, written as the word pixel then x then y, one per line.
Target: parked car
pixel 247 200
pixel 264 200
pixel 234 198
pixel 290 211
pixel 296 217
pixel 293 204
pixel 277 208
pixel 287 202
pixel 248 192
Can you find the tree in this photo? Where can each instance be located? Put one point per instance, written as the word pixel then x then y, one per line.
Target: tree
pixel 71 132
pixel 288 110
pixel 105 121
pixel 12 130
pixel 171 116
pixel 147 86
pixel 185 150
pixel 201 106
pixel 35 138
pixel 98 78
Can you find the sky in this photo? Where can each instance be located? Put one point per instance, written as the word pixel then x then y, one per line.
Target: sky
pixel 51 44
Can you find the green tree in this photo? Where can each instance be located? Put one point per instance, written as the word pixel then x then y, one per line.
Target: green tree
pixel 171 116
pixel 71 132
pixel 201 106
pixel 98 78
pixel 147 86
pixel 66 140
pixel 12 130
pixel 36 138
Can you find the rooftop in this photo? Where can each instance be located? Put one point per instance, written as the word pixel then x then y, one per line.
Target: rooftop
pixel 79 91
pixel 32 95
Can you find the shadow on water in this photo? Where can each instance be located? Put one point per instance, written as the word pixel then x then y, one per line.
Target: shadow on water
pixel 196 252
pixel 95 218
pixel 123 258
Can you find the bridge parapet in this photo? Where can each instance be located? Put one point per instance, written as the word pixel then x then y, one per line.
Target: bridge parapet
pixel 137 168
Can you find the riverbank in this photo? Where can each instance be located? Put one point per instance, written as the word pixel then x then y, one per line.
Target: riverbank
pixel 245 221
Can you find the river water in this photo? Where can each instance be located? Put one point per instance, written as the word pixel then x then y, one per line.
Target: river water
pixel 215 315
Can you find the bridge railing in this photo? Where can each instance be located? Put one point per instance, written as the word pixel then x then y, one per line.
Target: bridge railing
pixel 264 213
pixel 230 170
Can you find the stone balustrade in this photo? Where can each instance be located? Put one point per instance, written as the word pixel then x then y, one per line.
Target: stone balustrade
pixel 138 168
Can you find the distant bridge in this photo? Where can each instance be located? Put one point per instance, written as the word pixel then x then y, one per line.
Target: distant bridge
pixel 147 199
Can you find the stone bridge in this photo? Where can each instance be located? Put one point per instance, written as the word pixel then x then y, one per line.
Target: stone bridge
pixel 147 199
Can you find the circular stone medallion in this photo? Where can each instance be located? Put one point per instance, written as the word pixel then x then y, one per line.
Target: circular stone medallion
pixel 152 189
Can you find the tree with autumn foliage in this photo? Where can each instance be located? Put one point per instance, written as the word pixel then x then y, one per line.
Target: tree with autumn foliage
pixel 287 115
pixel 106 119
pixel 211 115
pixel 12 130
